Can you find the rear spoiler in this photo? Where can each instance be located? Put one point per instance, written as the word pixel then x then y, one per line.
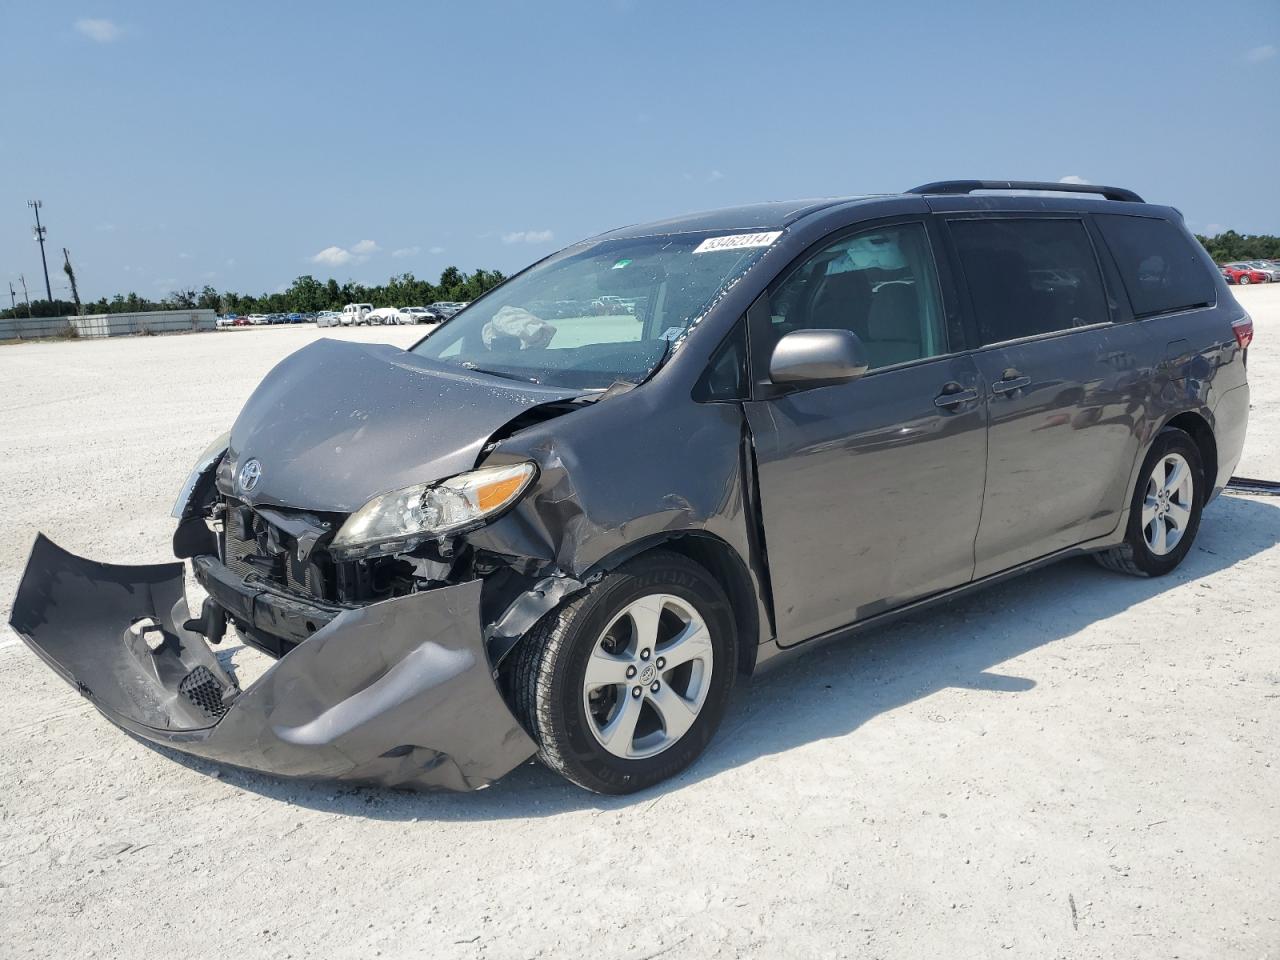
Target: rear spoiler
pixel 969 186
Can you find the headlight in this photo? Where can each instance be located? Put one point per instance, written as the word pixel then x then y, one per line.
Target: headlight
pixel 431 509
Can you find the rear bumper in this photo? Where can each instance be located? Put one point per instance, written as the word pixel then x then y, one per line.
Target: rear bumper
pixel 398 693
pixel 1231 423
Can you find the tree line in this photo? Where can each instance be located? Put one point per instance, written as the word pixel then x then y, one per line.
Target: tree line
pixel 305 295
pixel 1229 246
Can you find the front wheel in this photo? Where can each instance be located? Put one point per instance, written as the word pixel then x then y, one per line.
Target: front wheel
pixel 1164 514
pixel 625 685
pixel 1244 280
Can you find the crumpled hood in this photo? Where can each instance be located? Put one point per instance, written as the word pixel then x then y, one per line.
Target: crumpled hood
pixel 338 423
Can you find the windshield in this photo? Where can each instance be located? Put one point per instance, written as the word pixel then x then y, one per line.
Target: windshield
pixel 598 313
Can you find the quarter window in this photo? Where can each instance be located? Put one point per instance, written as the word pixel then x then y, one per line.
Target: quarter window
pixel 1029 277
pixel 881 284
pixel 1159 267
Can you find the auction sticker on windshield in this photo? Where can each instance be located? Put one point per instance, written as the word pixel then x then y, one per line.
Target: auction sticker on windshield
pixel 737 241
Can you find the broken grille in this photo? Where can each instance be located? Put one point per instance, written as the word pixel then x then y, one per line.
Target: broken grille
pixel 244 536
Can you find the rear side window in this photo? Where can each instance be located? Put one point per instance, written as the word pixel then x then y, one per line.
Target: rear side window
pixel 1159 267
pixel 1030 277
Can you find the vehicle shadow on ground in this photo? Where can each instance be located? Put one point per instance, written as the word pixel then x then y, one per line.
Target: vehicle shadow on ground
pixel 835 689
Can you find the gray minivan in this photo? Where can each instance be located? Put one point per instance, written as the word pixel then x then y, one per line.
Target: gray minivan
pixel 563 529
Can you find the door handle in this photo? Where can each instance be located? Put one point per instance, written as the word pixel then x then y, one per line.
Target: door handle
pixel 949 400
pixel 1011 382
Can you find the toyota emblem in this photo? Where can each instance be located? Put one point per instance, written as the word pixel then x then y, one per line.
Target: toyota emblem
pixel 249 475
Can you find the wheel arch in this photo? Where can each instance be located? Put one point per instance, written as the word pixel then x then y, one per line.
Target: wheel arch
pixel 1201 432
pixel 719 559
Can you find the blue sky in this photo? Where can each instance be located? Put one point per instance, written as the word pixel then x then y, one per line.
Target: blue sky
pixel 243 144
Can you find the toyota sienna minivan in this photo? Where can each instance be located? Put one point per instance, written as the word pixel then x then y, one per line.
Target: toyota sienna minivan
pixel 555 530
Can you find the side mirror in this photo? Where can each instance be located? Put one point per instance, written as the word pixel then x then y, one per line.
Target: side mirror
pixel 818 356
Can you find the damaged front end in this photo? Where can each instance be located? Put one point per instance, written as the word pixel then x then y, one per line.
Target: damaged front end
pixel 387 646
pixel 396 693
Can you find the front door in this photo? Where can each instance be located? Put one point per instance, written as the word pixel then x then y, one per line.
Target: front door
pixel 870 490
pixel 1066 386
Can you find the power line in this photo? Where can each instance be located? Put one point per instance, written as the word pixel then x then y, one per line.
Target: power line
pixel 40 233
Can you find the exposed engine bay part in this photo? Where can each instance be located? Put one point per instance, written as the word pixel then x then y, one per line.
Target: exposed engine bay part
pixel 397 693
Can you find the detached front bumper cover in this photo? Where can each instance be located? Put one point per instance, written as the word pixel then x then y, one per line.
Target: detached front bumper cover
pixel 398 693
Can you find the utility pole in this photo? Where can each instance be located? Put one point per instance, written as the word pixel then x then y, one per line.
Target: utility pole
pixel 13 301
pixel 26 298
pixel 40 232
pixel 71 275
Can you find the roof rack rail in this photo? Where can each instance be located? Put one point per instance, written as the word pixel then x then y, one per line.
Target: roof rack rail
pixel 968 186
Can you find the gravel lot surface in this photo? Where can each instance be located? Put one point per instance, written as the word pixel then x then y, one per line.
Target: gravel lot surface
pixel 1074 764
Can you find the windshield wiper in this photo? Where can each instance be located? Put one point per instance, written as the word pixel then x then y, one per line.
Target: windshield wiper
pixel 497 373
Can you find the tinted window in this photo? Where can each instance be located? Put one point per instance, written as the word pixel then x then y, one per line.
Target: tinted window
pixel 1160 268
pixel 1028 277
pixel 881 284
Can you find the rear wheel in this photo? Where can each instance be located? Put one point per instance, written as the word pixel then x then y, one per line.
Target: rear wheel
pixel 1244 279
pixel 625 685
pixel 1164 514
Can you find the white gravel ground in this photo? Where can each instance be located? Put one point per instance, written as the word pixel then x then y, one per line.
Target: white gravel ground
pixel 1074 764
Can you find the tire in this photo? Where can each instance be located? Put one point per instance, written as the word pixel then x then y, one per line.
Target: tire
pixel 1138 555
pixel 1244 280
pixel 568 717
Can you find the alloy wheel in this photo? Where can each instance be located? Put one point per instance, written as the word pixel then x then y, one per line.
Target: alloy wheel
pixel 648 676
pixel 1167 505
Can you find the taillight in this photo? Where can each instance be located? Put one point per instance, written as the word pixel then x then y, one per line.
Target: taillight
pixel 1243 329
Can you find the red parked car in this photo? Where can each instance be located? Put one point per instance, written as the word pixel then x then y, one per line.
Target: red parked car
pixel 1243 273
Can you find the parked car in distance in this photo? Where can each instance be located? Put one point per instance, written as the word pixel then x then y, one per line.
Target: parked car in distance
pixel 1272 270
pixel 229 320
pixel 354 314
pixel 445 308
pixel 418 315
pixel 1243 274
pixel 383 316
pixel 295 318
pixel 328 318
pixel 523 537
pixel 257 319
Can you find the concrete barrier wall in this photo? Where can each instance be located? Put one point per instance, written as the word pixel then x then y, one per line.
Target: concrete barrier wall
pixel 30 328
pixel 108 324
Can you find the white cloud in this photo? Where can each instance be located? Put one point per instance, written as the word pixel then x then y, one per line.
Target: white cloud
pixel 1258 54
pixel 1073 178
pixel 1213 229
pixel 184 256
pixel 401 252
pixel 337 256
pixel 528 236
pixel 714 175
pixel 333 257
pixel 99 31
pixel 436 250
